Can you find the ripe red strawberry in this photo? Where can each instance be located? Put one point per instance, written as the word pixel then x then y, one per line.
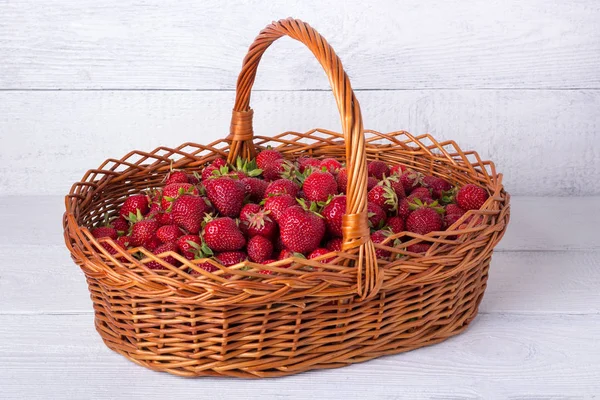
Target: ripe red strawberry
pixel 320 252
pixel 377 216
pixel 120 224
pixel 331 164
pixel 424 220
pixel 378 169
pixel 282 186
pixel 134 203
pixel 454 209
pixel 267 156
pixel 124 241
pixel 230 258
pixel 396 224
pixel 215 165
pixel 226 194
pixel 384 196
pixel 471 197
pixel 194 178
pixel 104 232
pixel 420 193
pixel 418 248
pixel 152 243
pixel 397 169
pixel 308 162
pixel 301 230
pixel 143 233
pixel 223 234
pixel 163 248
pixel 273 170
pixel 260 224
pixel 255 188
pixel 319 185
pixel 437 186
pixel 173 191
pixel 190 246
pixel 278 204
pixel 333 213
pixel 342 180
pixel 177 177
pixel 334 244
pixel 247 210
pixel 450 219
pixel 378 237
pixel 188 212
pixel 168 233
pixel 410 180
pixel 259 249
pixel 404 208
pixel 285 253
pixel 394 182
pixel 371 182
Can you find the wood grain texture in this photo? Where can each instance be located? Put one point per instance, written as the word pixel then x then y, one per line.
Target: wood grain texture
pixel 498 357
pixel 545 142
pixel 74 44
pixel 537 223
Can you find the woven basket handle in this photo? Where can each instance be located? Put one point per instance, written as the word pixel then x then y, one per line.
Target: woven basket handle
pixel 355 225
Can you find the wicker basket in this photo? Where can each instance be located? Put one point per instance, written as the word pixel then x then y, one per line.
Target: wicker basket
pixel 239 322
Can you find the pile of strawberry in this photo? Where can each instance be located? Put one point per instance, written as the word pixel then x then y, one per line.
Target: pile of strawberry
pixel 270 209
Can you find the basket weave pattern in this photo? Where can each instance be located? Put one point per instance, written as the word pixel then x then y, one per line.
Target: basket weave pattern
pixel 238 322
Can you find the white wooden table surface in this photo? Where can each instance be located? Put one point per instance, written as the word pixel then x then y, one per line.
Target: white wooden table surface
pixel 536 336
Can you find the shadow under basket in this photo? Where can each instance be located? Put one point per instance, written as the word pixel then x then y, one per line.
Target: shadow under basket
pixel 240 322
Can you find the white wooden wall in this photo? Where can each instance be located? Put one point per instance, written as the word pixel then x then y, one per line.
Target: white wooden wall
pixel 82 80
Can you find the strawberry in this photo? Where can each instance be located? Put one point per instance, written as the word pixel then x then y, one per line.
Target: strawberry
pixel 378 169
pixel 377 216
pixel 334 244
pixel 176 177
pixel 319 185
pixel 471 197
pixel 173 191
pixel 394 182
pixel 226 194
pixel 259 249
pixel 193 178
pixel 331 164
pixel 308 162
pixel 163 248
pixel 248 210
pixel 436 185
pixel 152 243
pixel 378 237
pixel 255 188
pixel 320 252
pixel 134 203
pixel 278 204
pixel 282 186
pixel 333 213
pixel 190 246
pixel 223 234
pixel 384 196
pixel 267 156
pixel 104 232
pixel 410 180
pixel 424 220
pixel 259 224
pixel 188 212
pixel 454 209
pixel 397 169
pixel 371 182
pixel 273 170
pixel 208 267
pixel 246 169
pixel 168 233
pixel 124 241
pixel 287 253
pixel 215 165
pixel 450 219
pixel 230 258
pixel 404 208
pixel 396 224
pixel 420 193
pixel 342 180
pixel 143 232
pixel 301 230
pixel 120 224
pixel 418 247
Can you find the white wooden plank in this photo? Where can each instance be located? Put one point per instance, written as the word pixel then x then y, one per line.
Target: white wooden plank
pixel 520 282
pixel 545 142
pixel 498 357
pixel 77 44
pixel 537 223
